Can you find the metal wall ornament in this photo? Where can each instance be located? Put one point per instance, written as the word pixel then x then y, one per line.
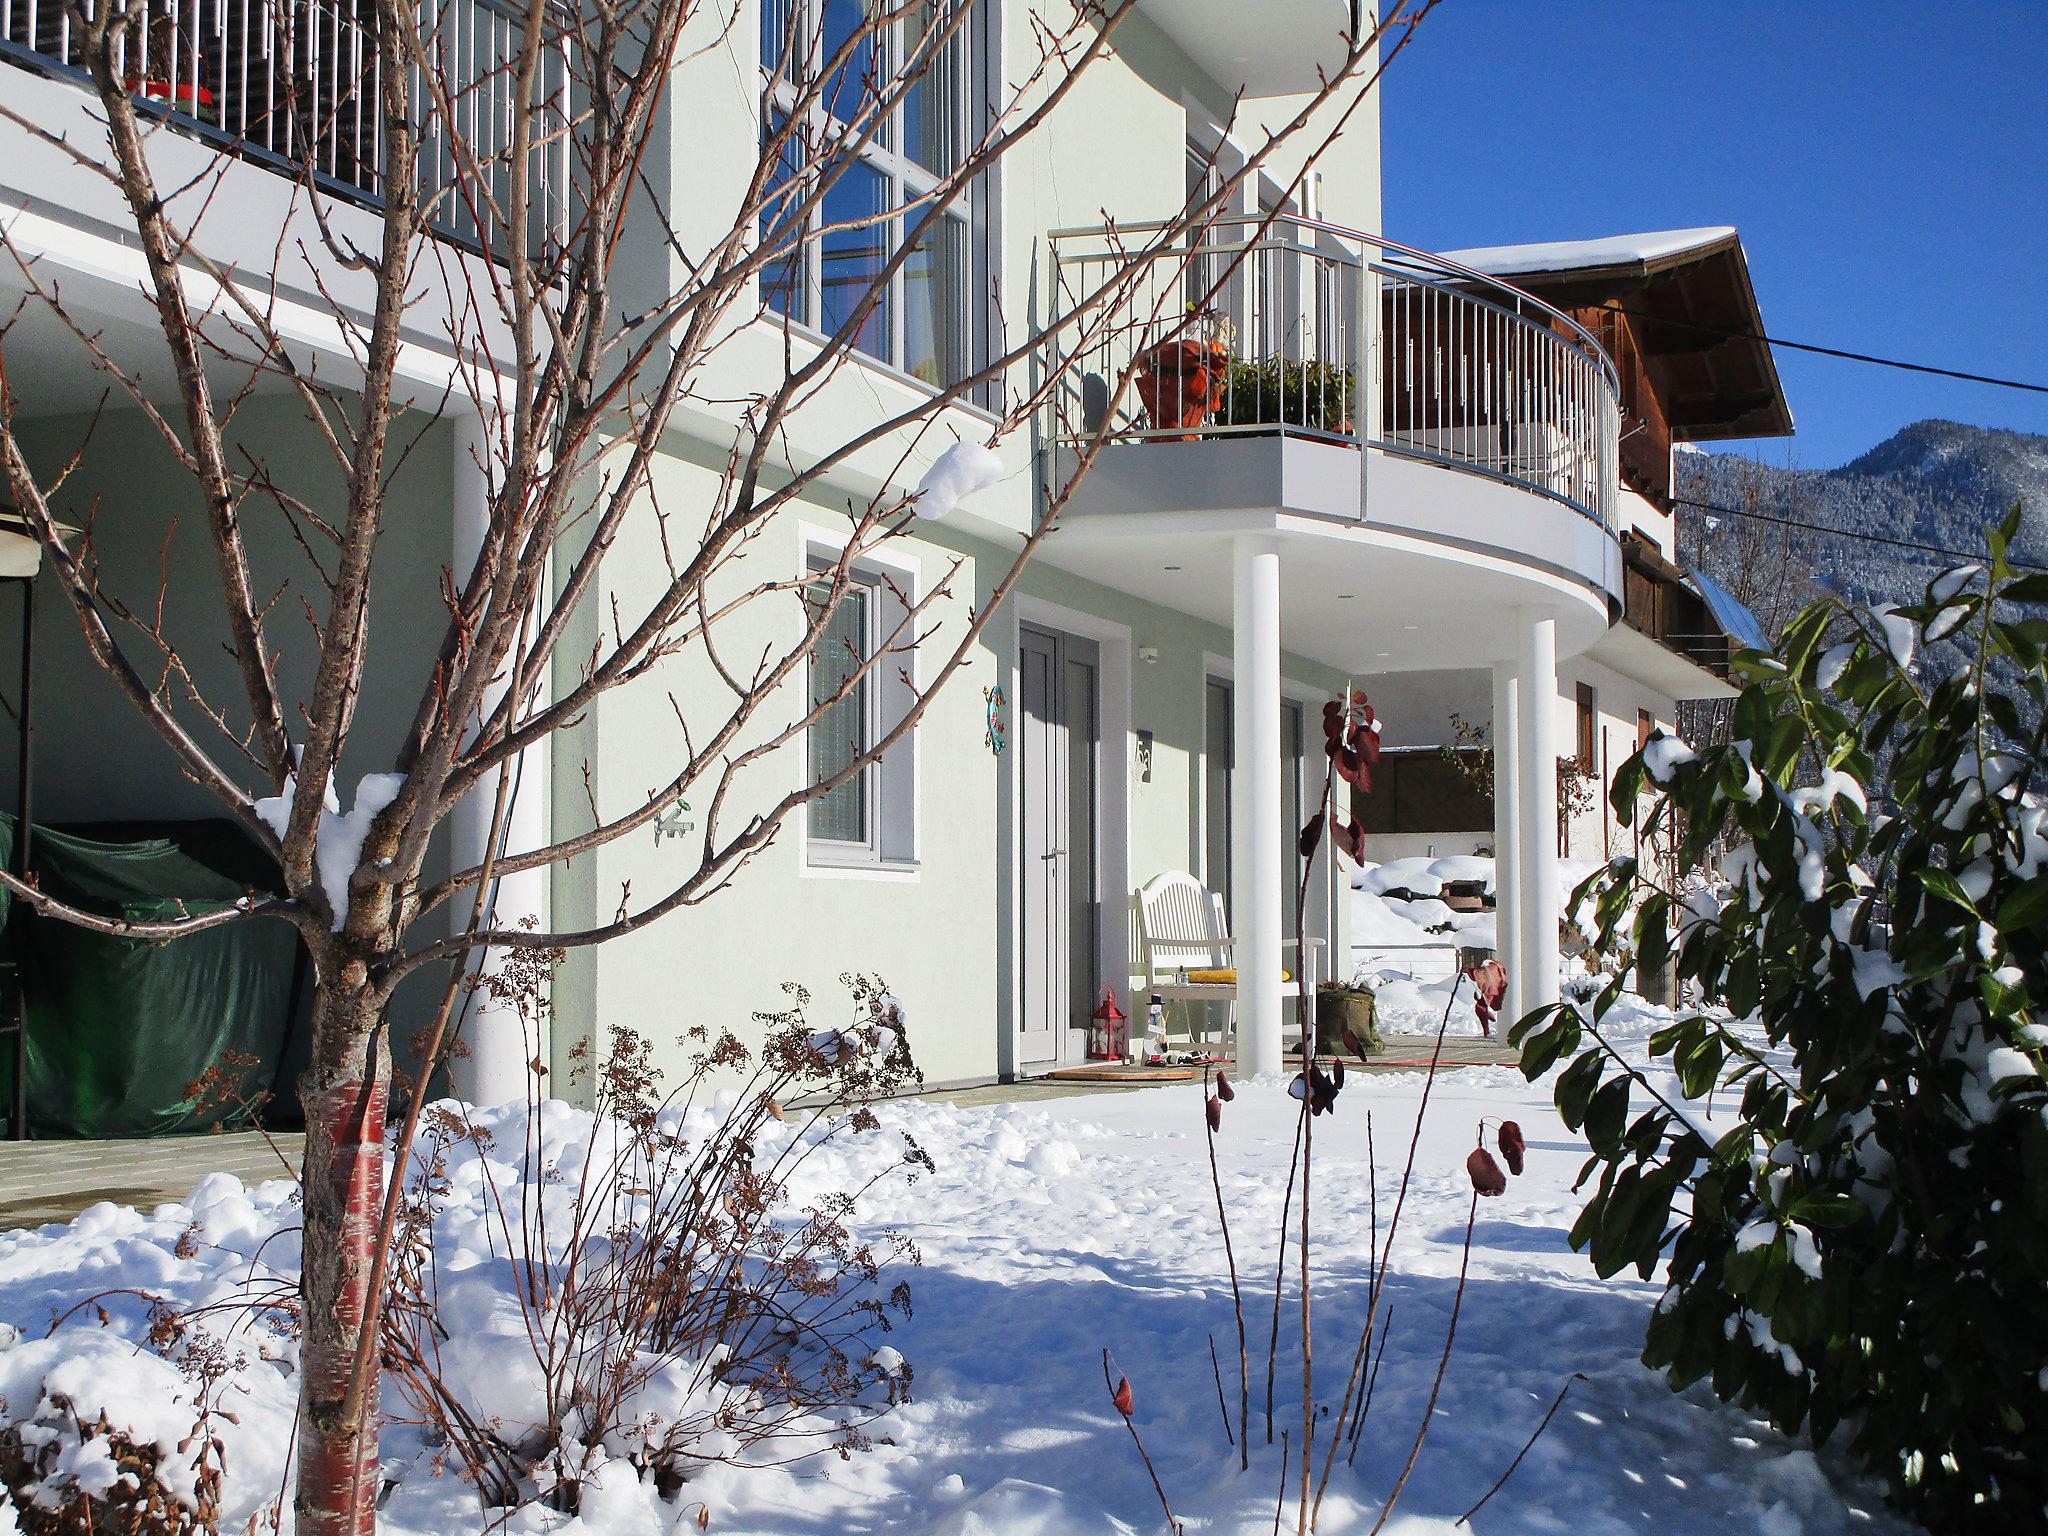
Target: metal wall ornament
pixel 993 737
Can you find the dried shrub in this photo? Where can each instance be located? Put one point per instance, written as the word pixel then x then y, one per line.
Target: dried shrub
pixel 667 1300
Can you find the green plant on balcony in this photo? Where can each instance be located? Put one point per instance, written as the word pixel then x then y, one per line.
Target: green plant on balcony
pixel 1280 392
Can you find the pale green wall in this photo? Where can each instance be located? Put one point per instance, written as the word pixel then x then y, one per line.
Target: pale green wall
pixel 942 938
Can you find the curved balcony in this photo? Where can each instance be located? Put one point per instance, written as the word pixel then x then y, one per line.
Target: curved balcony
pixel 1461 370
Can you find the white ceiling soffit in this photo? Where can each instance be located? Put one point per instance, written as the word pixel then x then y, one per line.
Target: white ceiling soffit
pixel 1269 47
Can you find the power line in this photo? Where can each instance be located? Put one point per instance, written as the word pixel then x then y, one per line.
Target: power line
pixel 1808 346
pixel 1961 556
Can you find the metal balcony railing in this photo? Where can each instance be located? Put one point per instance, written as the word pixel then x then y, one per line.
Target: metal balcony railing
pixel 294 84
pixel 1257 329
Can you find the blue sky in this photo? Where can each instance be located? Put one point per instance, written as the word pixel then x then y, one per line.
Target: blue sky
pixel 1887 164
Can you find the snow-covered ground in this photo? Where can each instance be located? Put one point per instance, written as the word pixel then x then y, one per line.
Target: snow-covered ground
pixel 1397 907
pixel 1049 1231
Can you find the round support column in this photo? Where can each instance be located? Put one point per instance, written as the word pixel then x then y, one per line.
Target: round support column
pixel 1256 835
pixel 499 1047
pixel 1507 831
pixel 1536 807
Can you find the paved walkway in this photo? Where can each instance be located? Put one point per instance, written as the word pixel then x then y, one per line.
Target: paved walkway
pixel 45 1181
pixel 1403 1053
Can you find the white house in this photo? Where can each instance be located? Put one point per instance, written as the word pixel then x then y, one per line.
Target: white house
pixel 1466 539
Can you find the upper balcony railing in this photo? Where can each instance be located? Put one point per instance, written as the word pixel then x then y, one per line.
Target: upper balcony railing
pixel 294 84
pixel 1257 330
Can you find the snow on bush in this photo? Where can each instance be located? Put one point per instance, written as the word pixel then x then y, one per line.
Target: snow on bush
pixel 1860 1244
pixel 588 1310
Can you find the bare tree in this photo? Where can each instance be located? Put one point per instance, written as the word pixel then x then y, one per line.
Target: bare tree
pixel 572 386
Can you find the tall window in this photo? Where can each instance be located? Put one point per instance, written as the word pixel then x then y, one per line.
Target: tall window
pixel 846 727
pixel 869 818
pixel 880 128
pixel 1587 710
pixel 1218 760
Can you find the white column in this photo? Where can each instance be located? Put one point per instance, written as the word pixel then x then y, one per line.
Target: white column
pixel 1507 830
pixel 1536 805
pixel 499 1046
pixel 1255 832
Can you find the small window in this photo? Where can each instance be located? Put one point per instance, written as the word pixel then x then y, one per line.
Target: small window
pixel 1589 714
pixel 1646 726
pixel 860 694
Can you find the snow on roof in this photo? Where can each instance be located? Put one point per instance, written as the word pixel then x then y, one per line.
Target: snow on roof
pixel 1574 255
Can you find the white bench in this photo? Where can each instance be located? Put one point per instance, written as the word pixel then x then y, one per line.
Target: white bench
pixel 1182 929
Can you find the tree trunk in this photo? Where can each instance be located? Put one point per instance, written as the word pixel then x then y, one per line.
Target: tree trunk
pixel 346 1092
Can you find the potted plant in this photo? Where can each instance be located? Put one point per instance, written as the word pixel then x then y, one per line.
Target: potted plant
pixel 156 64
pixel 1184 378
pixel 1282 393
pixel 1346 1021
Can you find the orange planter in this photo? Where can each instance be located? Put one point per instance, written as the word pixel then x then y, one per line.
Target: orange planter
pixel 1180 383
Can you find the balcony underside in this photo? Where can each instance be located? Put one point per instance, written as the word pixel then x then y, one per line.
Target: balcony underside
pixel 1271 49
pixel 1651 662
pixel 1445 571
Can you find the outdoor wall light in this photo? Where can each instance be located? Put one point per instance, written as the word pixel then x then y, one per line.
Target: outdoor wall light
pixel 1148 654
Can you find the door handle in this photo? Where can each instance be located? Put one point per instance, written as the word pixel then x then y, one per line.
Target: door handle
pixel 1055 854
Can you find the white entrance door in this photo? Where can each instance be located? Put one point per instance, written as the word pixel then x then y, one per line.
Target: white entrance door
pixel 1059 749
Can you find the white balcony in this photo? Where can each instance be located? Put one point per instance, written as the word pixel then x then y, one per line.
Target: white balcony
pixel 1274 48
pixel 1475 470
pixel 294 85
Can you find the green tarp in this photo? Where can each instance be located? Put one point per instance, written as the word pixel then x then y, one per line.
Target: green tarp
pixel 121 1031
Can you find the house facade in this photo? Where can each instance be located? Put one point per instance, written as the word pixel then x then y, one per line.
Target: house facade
pixel 1439 502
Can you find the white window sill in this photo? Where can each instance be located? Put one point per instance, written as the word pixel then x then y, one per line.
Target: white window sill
pixel 775 321
pixel 823 866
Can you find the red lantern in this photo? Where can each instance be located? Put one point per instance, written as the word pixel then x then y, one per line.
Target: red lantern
pixel 1109 1038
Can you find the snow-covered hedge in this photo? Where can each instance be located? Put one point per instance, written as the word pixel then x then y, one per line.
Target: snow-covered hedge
pixel 1865 1248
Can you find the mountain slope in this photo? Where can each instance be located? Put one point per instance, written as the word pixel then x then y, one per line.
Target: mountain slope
pixel 1935 482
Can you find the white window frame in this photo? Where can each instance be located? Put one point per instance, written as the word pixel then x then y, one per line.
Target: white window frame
pixel 905 180
pixel 891 788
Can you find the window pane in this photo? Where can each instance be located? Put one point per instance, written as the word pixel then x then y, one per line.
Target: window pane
pixel 777 19
pixel 852 259
pixel 851 88
pixel 936 317
pixel 1292 811
pixel 931 100
pixel 782 277
pixel 1216 765
pixel 840 733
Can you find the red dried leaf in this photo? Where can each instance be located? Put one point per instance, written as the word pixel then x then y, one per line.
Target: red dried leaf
pixel 1486 1175
pixel 1311 835
pixel 1337 1073
pixel 1214 1110
pixel 1223 1089
pixel 1122 1396
pixel 1352 1043
pixel 1512 1147
pixel 1350 765
pixel 1349 837
pixel 1322 1091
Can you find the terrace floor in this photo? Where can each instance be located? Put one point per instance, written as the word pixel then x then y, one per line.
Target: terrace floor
pixel 47 1181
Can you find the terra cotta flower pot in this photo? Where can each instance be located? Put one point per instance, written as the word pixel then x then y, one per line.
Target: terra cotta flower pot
pixel 1180 383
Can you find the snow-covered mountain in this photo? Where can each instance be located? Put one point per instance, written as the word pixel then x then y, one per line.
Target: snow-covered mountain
pixel 1934 482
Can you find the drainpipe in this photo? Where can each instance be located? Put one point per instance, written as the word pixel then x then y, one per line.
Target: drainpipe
pixel 1255 832
pixel 500 1046
pixel 1536 874
pixel 1507 898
